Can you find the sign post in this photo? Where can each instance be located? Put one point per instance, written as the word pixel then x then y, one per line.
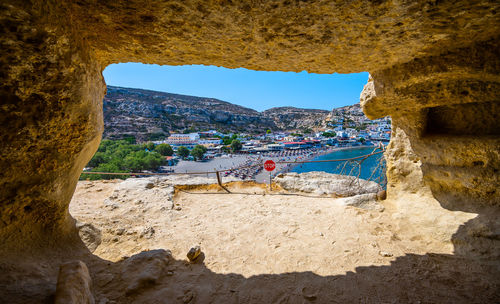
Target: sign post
pixel 269 165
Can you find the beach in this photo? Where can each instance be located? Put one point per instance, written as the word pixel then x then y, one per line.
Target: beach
pixel 249 166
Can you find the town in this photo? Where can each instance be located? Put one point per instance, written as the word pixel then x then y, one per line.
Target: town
pixel 361 132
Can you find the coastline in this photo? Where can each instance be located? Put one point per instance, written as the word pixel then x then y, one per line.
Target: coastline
pixel 263 177
pixel 240 165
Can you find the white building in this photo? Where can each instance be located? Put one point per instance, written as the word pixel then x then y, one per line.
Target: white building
pixel 175 139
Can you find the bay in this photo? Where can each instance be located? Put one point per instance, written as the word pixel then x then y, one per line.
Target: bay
pixel 372 168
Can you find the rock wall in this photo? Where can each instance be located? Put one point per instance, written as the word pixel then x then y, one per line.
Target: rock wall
pixel 434 64
pixel 445 111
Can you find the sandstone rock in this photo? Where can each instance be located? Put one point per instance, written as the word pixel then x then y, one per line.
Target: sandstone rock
pixel 381 195
pixel 120 231
pixel 147 232
pixel 364 201
pixel 144 269
pixel 74 284
pixel 309 294
pixel 194 253
pixel 385 254
pixel 434 66
pixel 90 235
pixel 325 183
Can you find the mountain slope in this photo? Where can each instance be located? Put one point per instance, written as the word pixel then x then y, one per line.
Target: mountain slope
pixel 140 113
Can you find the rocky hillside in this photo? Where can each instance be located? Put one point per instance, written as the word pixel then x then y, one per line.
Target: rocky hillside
pixel 144 113
pixel 290 118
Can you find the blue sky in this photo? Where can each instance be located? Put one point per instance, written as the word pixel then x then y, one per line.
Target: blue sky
pixel 258 90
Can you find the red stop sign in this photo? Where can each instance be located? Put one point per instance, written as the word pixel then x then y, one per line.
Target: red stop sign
pixel 269 165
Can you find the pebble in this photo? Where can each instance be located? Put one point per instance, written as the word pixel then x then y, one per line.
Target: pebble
pixel 385 254
pixel 193 253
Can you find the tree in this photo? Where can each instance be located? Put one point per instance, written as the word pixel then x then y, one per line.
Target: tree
pixel 236 145
pixel 150 146
pixel 329 134
pixel 164 149
pixel 361 139
pixel 198 152
pixel 182 152
pixel 268 131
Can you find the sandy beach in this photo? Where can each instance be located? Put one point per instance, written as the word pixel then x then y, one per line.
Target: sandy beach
pixel 236 164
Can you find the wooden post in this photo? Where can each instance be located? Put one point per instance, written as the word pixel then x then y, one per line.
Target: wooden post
pixel 270 181
pixel 219 181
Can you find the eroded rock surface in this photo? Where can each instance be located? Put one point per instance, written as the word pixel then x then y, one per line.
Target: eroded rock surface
pixel 434 66
pixel 74 284
pixel 322 183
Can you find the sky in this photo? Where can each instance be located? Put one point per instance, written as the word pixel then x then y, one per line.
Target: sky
pixel 259 90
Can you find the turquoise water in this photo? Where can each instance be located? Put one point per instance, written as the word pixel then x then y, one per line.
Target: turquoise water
pixel 369 167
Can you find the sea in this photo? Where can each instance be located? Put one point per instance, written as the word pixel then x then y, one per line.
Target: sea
pixel 373 168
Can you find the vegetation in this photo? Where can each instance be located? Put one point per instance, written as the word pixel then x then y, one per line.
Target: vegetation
pixel 182 152
pixel 307 130
pixel 198 152
pixel 156 136
pixel 164 149
pixel 236 145
pixel 329 134
pixel 148 146
pixel 122 156
pixel 228 140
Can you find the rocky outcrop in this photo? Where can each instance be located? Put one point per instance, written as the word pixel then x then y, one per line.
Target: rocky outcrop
pixel 138 112
pixel 74 284
pixel 322 183
pixel 445 120
pixel 141 113
pixel 290 118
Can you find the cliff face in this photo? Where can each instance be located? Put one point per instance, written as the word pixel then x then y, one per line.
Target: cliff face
pixel 431 62
pixel 290 118
pixel 138 112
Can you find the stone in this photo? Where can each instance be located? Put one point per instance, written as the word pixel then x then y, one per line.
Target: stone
pixel 120 231
pixel 194 253
pixel 323 183
pixel 385 254
pixel 74 284
pixel 90 235
pixel 381 195
pixel 364 201
pixel 147 232
pixel 142 270
pixel 309 294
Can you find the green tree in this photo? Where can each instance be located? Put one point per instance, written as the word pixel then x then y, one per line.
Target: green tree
pixel 150 146
pixel 164 149
pixel 361 139
pixel 329 134
pixel 226 140
pixel 236 145
pixel 268 131
pixel 182 152
pixel 198 152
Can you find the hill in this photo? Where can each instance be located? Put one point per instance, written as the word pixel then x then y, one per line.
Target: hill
pixel 147 114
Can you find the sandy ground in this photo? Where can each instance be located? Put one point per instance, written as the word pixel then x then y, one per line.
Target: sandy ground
pixel 251 234
pixel 219 163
